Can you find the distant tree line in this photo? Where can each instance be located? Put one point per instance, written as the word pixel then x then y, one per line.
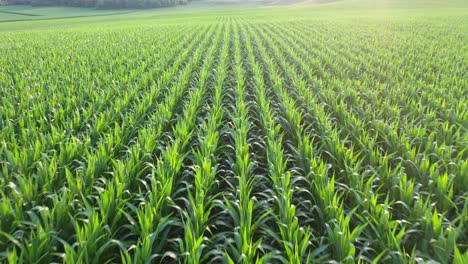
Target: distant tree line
pixel 103 4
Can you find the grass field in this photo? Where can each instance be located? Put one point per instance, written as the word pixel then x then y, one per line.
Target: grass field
pixel 246 133
pixel 22 13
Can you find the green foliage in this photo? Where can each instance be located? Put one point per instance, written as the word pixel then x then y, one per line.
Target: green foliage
pixel 245 137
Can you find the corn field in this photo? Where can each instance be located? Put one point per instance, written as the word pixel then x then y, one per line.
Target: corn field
pixel 235 139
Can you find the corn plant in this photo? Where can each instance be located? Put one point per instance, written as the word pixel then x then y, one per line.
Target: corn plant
pixel 296 134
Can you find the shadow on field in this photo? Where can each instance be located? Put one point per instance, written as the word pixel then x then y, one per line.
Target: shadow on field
pixel 17 13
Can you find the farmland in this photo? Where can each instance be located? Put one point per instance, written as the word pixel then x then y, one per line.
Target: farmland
pixel 243 134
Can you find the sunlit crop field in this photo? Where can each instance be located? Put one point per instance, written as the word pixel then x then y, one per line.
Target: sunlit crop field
pixel 236 137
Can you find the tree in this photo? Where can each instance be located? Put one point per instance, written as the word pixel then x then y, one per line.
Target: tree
pixel 17 2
